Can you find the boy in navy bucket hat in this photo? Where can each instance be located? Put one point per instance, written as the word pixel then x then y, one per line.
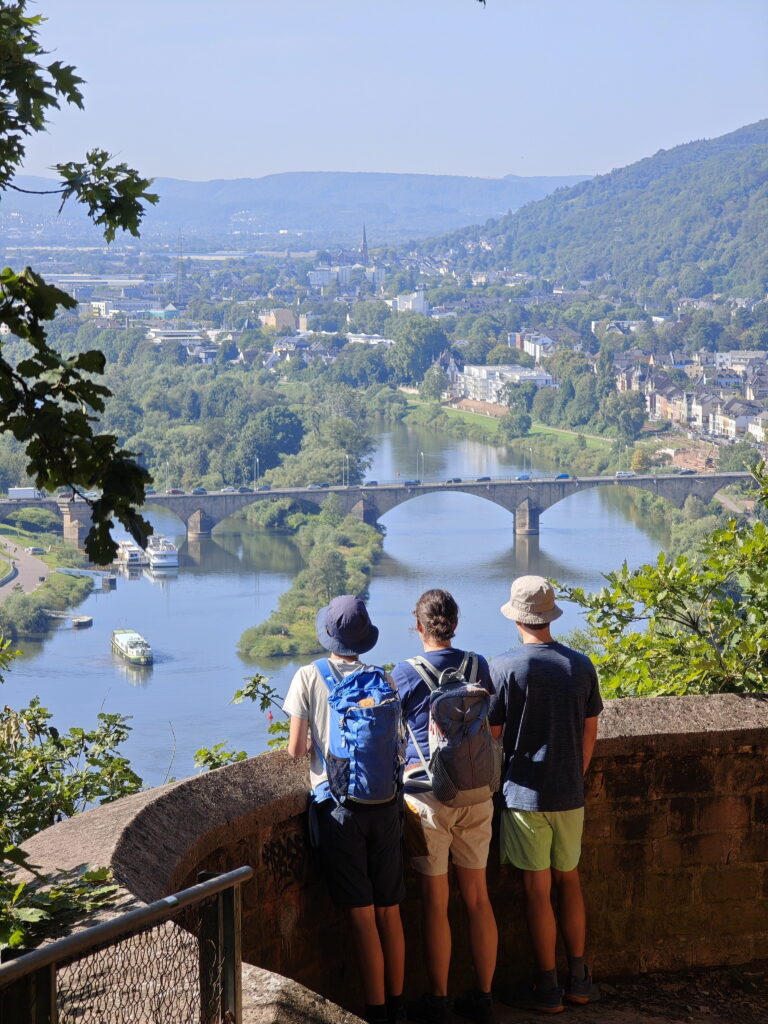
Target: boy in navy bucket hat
pixel 360 842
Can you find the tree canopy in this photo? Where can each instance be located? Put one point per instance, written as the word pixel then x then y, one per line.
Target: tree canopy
pixel 50 402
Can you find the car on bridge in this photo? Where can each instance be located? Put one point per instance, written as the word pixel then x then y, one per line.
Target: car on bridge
pixel 625 474
pixel 199 490
pixel 371 483
pixel 264 487
pixel 523 476
pixel 245 490
pixel 563 476
pixel 229 489
pixel 314 487
pixel 174 490
pixel 482 479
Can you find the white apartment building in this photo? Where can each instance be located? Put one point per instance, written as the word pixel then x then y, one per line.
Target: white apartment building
pixel 415 302
pixel 483 383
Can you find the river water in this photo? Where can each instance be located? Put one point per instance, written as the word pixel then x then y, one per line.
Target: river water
pixel 193 618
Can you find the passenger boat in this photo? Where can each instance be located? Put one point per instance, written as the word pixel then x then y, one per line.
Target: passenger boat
pixel 162 552
pixel 129 553
pixel 131 646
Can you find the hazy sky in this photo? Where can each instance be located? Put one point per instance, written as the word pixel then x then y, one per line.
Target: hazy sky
pixel 200 89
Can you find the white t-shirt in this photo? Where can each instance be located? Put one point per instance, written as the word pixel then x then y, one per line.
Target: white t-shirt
pixel 307 698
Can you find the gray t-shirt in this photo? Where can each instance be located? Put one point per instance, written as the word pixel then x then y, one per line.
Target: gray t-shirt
pixel 544 692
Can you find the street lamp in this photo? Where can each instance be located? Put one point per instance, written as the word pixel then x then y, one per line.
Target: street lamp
pixel 256 468
pixel 530 468
pixel 165 467
pixel 420 455
pixel 346 457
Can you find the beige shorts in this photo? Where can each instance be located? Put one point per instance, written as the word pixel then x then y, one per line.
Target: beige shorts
pixel 462 832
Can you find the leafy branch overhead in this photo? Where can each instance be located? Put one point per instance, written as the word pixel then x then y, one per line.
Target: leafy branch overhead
pixel 47 401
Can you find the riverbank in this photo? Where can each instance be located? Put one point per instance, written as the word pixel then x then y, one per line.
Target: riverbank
pixel 339 553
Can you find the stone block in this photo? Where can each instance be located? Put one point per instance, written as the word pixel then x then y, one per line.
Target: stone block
pixel 672 889
pixel 682 775
pixel 623 858
pixel 666 955
pixel 631 781
pixel 724 813
pixel 740 772
pixel 640 825
pixel 684 851
pixel 730 883
pixel 682 815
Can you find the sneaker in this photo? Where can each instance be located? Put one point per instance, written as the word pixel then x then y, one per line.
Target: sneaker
pixel 475 1005
pixel 581 991
pixel 429 1010
pixel 396 1010
pixel 531 997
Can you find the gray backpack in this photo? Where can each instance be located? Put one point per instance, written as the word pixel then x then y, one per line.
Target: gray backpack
pixel 465 761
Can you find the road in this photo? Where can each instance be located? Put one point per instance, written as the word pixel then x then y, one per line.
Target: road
pixel 29 569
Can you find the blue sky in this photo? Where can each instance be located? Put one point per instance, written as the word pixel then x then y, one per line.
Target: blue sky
pixel 200 90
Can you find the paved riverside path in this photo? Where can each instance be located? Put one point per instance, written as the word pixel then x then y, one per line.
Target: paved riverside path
pixel 29 569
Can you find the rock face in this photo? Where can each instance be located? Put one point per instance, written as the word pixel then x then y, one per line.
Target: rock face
pixel 676 836
pixel 273 999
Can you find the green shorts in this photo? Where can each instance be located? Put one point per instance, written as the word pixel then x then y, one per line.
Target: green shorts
pixel 537 840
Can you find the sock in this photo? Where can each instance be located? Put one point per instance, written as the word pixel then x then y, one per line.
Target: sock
pixel 376 1013
pixel 548 979
pixel 576 967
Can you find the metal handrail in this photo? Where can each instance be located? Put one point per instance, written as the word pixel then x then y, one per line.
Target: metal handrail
pixel 133 920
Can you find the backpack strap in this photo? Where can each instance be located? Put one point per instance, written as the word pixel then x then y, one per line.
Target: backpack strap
pixel 419 752
pixel 326 670
pixel 471 661
pixel 426 671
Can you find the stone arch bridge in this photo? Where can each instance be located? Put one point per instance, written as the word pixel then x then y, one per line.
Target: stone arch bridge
pixel 525 499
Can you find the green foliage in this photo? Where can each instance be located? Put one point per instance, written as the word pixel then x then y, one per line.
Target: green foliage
pixel 35 520
pixel 49 402
pixel 23 613
pixel 46 776
pixel 208 758
pixel 737 457
pixel 435 383
pixel 705 620
pixel 32 910
pixel 258 690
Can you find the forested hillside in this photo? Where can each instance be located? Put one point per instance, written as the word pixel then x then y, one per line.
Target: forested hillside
pixel 693 218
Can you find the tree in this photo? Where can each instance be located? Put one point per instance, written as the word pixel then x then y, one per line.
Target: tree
pixel 624 413
pixel 514 424
pixel 737 457
pixel 326 574
pixel 518 396
pixel 418 342
pixel 703 620
pixel 48 402
pixel 434 384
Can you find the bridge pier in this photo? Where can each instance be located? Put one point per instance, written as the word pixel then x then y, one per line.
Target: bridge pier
pixel 365 511
pixel 75 524
pixel 526 518
pixel 200 524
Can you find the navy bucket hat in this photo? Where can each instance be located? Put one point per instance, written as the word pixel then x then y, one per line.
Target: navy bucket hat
pixel 343 627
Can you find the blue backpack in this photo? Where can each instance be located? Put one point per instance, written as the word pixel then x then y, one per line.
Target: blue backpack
pixel 366 743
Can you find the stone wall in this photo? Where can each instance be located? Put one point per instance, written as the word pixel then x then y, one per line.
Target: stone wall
pixel 675 863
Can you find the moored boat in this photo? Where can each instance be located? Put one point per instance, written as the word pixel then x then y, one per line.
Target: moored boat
pixel 131 646
pixel 129 553
pixel 162 552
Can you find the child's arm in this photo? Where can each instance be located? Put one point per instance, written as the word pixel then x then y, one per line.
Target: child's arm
pixel 298 737
pixel 588 740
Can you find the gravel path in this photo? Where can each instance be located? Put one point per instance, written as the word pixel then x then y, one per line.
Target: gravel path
pixel 29 569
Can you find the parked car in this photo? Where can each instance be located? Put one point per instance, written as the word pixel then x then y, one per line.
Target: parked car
pixel 199 490
pixel 245 490
pixel 35 550
pixel 482 479
pixel 523 476
pixel 563 476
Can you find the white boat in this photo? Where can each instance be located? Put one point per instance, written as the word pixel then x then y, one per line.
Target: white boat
pixel 162 552
pixel 129 553
pixel 132 646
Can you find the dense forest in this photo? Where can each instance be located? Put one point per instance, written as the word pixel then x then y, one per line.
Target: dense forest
pixel 693 218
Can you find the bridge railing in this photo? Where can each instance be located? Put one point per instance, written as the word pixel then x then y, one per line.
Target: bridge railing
pixel 177 959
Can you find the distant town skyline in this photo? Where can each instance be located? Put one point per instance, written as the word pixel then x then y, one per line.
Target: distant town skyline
pixel 201 91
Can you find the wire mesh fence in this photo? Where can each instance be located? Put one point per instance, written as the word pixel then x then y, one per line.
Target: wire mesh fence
pixel 176 960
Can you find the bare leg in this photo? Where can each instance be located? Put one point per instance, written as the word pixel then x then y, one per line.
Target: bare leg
pixel 571 914
pixel 437 931
pixel 390 926
pixel 483 934
pixel 542 926
pixel 370 957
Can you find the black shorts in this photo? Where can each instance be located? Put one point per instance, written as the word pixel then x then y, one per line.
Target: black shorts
pixel 362 851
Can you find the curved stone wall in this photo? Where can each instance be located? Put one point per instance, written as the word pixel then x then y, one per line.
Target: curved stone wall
pixel 676 838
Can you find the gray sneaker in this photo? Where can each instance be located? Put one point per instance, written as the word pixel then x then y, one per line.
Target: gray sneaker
pixel 581 991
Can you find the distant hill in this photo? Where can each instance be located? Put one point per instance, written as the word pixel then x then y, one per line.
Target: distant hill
pixel 327 207
pixel 694 217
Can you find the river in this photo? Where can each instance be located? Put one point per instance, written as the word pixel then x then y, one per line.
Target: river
pixel 194 618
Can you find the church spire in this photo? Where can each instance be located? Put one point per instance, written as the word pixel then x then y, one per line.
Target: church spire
pixel 364 249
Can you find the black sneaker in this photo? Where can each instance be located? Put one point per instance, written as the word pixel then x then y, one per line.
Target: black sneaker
pixel 475 1005
pixel 581 991
pixel 396 1010
pixel 532 997
pixel 430 1010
